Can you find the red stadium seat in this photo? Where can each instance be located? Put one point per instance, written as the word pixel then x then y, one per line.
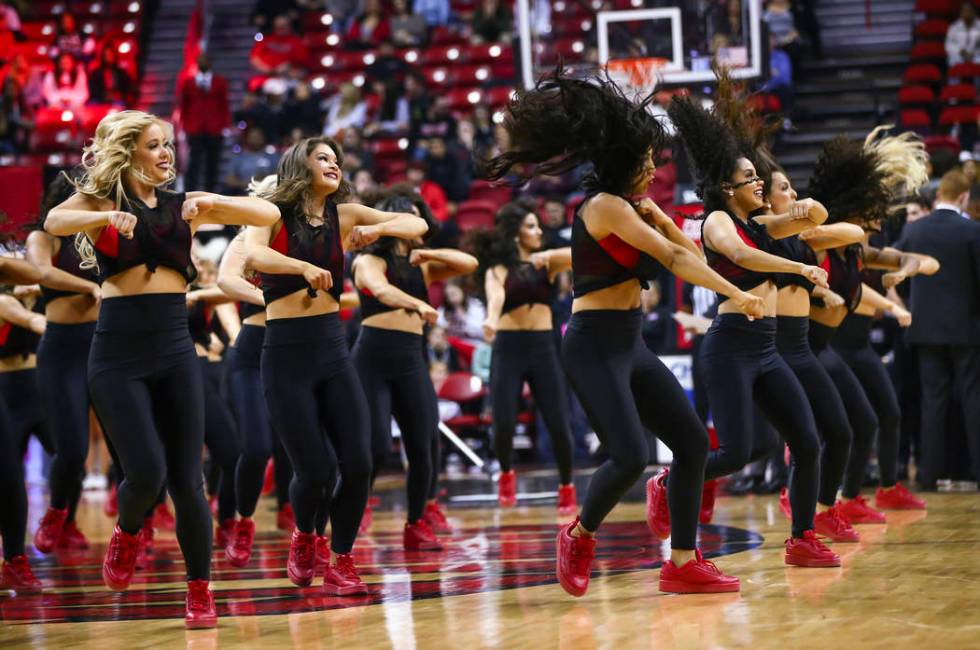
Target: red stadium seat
pixel 439 77
pixel 316 21
pixel 54 129
pixel 33 52
pixel 488 53
pixel 444 55
pixel 125 7
pixel 472 75
pixel 915 118
pixel 964 71
pixel 464 99
pixel 496 194
pixel 936 142
pixel 922 73
pixel 462 387
pixel 959 115
pixel 941 8
pixel 916 95
pixel 475 213
pixel 928 51
pixel 446 36
pixel 41 31
pixel 959 93
pixel 570 25
pixel 498 96
pixel 389 147
pixel 91 115
pixel 933 28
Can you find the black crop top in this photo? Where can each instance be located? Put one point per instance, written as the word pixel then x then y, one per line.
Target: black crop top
pixel 68 260
pixel 318 245
pixel 16 340
pixel 754 236
pixel 526 285
pixel 600 264
pixel 400 274
pixel 844 275
pixel 161 238
pixel 793 249
pixel 247 309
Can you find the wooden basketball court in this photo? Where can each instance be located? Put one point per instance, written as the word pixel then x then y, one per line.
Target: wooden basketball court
pixel 912 583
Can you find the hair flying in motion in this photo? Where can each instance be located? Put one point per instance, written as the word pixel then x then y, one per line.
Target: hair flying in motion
pixel 902 158
pixel 712 148
pixel 399 198
pixel 563 122
pixel 847 180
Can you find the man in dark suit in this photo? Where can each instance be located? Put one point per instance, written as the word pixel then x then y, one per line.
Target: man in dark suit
pixel 204 114
pixel 945 328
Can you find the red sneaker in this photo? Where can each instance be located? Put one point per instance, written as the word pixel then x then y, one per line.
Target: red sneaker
pixel 269 480
pixel 322 550
pixel 832 525
pixel 567 500
pixel 857 511
pixel 111 507
pixel 784 505
pixel 239 548
pixel 366 520
pixel 658 513
pixel 72 538
pixel 224 531
pixel 808 551
pixel 17 575
pixel 163 518
pixel 697 576
pixel 341 579
pixel 200 606
pixel 145 546
pixel 285 519
pixel 507 489
pixel 49 530
pixel 302 558
pixel 120 559
pixel 708 494
pixel 574 562
pixel 893 498
pixel 418 536
pixel 436 518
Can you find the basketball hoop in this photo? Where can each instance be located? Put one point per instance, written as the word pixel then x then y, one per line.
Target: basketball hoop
pixel 640 74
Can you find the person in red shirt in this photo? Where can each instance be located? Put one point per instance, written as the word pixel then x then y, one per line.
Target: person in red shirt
pixel 370 29
pixel 203 101
pixel 279 49
pixel 433 195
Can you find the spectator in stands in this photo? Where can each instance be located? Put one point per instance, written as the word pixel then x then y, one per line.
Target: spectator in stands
pixel 440 352
pixel 265 11
pixel 554 223
pixel 345 110
pixel 28 83
pixel 387 66
pixel 109 83
pixel 392 116
pixel 491 22
pixel 419 102
pixel 71 41
pixel 356 154
pixel 439 121
pixel 302 111
pixel 963 37
pixel 782 29
pixel 14 121
pixel 658 322
pixel 10 20
pixel 973 207
pixel 277 51
pixel 472 141
pixel 362 180
pixel 940 161
pixel 407 29
pixel 204 115
pixel 451 168
pixel 460 315
pixel 780 81
pixel 253 161
pixel 430 192
pixel 67 85
pixel 255 112
pixel 968 165
pixel 436 13
pixel 370 29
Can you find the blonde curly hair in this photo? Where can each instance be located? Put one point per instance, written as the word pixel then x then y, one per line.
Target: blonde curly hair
pixel 107 161
pixel 902 159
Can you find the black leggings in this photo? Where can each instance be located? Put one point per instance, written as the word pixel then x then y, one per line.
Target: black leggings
pixel 396 383
pixel 245 394
pixel 283 470
pixel 318 407
pixel 623 387
pixel 531 356
pixel 742 369
pixel 853 343
pixel 147 388
pixel 13 506
pixel 220 436
pixel 860 413
pixel 793 344
pixel 62 366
